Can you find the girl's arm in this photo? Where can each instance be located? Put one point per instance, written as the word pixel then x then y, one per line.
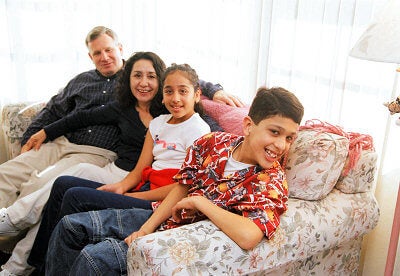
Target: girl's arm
pixel 161 214
pixel 157 194
pixel 240 229
pixel 134 177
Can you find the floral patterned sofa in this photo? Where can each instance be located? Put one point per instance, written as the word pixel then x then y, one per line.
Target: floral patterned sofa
pixel 330 209
pixel 329 212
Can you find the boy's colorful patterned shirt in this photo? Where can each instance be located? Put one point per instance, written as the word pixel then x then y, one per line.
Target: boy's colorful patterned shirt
pixel 256 193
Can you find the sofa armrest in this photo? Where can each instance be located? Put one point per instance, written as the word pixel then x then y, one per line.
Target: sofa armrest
pixel 306 228
pixel 15 120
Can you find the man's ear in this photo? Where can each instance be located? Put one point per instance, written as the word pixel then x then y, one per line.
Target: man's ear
pixel 247 125
pixel 90 56
pixel 121 49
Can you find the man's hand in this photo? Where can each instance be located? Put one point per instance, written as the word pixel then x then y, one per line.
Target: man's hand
pixel 226 98
pixel 35 141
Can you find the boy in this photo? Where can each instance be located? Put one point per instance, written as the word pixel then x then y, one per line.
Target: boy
pixel 235 181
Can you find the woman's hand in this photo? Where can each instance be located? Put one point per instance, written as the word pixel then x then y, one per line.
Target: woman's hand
pixel 35 141
pixel 116 188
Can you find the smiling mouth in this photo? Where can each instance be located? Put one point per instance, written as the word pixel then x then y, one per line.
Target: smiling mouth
pixel 271 154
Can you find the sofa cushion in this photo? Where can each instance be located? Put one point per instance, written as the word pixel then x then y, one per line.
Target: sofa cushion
pixel 15 120
pixel 361 178
pixel 314 163
pixel 228 117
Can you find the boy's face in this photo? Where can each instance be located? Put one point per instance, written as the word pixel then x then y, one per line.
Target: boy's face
pixel 268 141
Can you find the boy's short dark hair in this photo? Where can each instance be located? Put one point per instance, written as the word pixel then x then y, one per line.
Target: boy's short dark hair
pixel 275 101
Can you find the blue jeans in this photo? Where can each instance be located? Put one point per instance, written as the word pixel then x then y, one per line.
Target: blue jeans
pixel 71 195
pixel 92 243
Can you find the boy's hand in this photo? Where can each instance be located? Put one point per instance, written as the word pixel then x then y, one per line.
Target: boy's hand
pixel 140 233
pixel 186 208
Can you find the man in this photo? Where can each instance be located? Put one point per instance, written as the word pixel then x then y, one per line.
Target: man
pixel 95 144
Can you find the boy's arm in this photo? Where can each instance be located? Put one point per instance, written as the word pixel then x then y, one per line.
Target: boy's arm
pixel 240 229
pixel 161 214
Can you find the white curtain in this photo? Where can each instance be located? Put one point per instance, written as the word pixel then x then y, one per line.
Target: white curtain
pixel 302 45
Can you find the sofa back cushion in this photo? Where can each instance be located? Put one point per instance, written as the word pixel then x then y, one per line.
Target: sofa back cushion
pixel 229 118
pixel 15 120
pixel 361 178
pixel 314 163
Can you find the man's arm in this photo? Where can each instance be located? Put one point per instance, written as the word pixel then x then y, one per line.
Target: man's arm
pixel 56 108
pixel 216 93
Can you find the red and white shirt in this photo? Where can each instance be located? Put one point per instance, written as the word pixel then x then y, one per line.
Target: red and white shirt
pixel 256 193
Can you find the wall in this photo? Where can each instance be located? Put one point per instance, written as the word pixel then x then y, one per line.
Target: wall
pixel 376 243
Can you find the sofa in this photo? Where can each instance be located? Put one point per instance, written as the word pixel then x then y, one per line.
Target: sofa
pixel 331 207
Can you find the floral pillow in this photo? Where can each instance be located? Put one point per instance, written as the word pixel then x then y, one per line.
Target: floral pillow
pixel 15 120
pixel 361 178
pixel 314 164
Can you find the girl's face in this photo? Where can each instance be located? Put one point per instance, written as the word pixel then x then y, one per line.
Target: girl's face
pixel 179 96
pixel 144 81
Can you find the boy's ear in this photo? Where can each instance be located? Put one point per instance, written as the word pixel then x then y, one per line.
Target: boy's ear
pixel 247 125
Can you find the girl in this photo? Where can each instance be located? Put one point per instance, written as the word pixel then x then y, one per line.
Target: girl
pixel 166 143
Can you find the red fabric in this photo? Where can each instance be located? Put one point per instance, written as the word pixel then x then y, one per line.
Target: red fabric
pixel 157 178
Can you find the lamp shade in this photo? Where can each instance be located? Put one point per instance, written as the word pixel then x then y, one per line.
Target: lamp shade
pixel 381 40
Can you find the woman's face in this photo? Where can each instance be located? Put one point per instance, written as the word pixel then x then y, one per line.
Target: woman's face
pixel 143 81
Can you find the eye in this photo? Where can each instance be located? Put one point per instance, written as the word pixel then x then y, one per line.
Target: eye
pixel 137 75
pixel 167 91
pixel 274 132
pixel 183 92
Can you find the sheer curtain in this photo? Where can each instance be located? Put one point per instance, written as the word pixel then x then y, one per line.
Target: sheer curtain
pixel 302 45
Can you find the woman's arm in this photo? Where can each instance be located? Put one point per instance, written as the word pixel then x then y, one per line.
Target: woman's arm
pixel 240 229
pixel 134 177
pixel 153 195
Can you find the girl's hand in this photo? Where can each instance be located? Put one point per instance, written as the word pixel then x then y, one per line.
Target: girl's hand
pixel 112 188
pixel 140 233
pixel 35 141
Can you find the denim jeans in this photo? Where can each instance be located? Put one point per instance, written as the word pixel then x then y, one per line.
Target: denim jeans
pixel 92 243
pixel 71 195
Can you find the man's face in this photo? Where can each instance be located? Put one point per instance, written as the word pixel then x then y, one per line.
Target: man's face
pixel 106 55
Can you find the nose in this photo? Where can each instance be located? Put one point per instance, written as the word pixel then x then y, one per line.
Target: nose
pixel 144 81
pixel 280 143
pixel 176 97
pixel 104 55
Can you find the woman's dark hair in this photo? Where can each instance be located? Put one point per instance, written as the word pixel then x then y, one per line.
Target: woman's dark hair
pixel 123 89
pixel 191 75
pixel 275 101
